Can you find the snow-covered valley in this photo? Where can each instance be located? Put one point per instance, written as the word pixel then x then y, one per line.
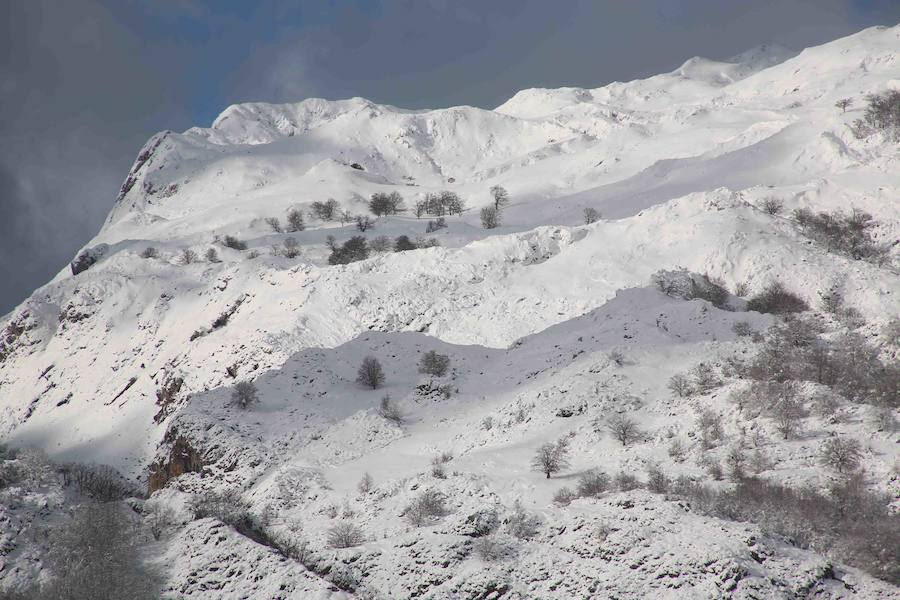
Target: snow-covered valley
pixel 552 327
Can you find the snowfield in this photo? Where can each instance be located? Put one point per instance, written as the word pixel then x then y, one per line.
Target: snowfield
pixel 552 325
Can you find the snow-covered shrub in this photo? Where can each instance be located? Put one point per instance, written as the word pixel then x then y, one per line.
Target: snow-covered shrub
pixel 493 548
pixel 847 234
pixel 434 364
pixel 881 418
pixel 551 457
pixel 211 255
pixel 437 465
pixel 564 496
pixel 686 285
pixel 742 329
pixel 735 461
pixel 623 428
pixel 777 300
pixel 234 243
pixel 429 505
pixel 759 461
pixel 382 204
pixel 294 221
pixel 481 523
pixel 345 535
pixel 787 413
pixel 657 480
pixel 591 215
pixel 625 482
pixel 711 465
pixel 423 242
pixel 370 373
pixel 709 422
pixel 88 258
pixel 33 466
pixel 704 378
pixel 244 394
pixel 592 483
pixel 882 114
pixel 676 450
pixel 150 252
pixel 522 524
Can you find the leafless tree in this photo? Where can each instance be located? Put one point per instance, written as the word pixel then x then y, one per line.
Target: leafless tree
pixel 490 217
pixel 345 535
pixel 389 410
pixel 274 224
pixel 370 373
pixel 844 104
pixel 840 454
pixel 551 457
pixel 434 364
pixel 623 428
pixel 500 196
pixel 591 215
pixel 244 394
pixel 188 256
pixel 291 247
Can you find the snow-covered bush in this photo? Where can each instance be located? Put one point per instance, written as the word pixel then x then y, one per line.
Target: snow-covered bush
pixel 100 482
pixel 274 224
pixel 382 203
pixel 493 548
pixel 564 496
pixel 188 256
pixel 432 226
pixel 234 243
pixel 389 410
pixel 150 252
pixel 840 453
pixel 625 482
pixel 364 223
pixel 657 480
pixel 772 205
pixel 325 211
pixel 211 255
pixel 592 483
pixel 381 243
pixel 354 249
pixel 591 215
pixel 847 234
pixel 623 428
pixel 522 524
pixel 291 247
pixel 680 386
pixel 403 244
pixel 490 217
pixel 686 285
pixel 429 505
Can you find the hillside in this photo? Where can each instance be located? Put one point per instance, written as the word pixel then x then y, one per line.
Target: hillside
pixel 552 325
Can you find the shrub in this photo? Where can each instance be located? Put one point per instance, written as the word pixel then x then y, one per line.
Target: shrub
pixel 704 378
pixel 387 409
pixel 564 496
pixel 291 247
pixel 709 423
pixel 760 461
pixel 788 414
pixel 551 457
pixel 382 243
pixel 522 524
pixel 623 428
pixel 365 483
pixel 326 211
pixel 772 206
pixel 403 243
pixel 386 204
pixel 482 523
pixel 275 225
pixel 433 226
pixel 100 482
pixel 847 234
pixel 434 364
pixel 234 243
pixel 370 373
pixel 244 394
pixel 345 535
pixel 840 454
pixel 212 256
pixel 352 250
pixel 592 483
pixel 775 299
pixel 364 223
pixel 493 548
pixel 150 252
pixel 490 217
pixel 882 113
pixel 676 450
pixel 657 480
pixel 881 418
pixel 227 507
pixel 686 285
pixel 736 460
pixel 680 386
pixel 844 104
pixel 591 215
pixel 625 482
pixel 431 504
pixel 188 256
pixel 742 329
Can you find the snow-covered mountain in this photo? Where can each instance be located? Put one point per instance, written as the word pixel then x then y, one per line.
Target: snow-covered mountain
pixel 550 325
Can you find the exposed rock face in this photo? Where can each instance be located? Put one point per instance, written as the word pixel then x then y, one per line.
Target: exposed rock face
pixel 182 458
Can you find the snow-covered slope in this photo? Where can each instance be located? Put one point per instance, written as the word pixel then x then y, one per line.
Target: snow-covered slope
pixel 121 364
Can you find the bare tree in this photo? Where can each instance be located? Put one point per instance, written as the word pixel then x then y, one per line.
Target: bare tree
pixel 434 364
pixel 150 252
pixel 370 373
pixel 365 483
pixel 788 415
pixel 551 458
pixel 840 454
pixel 364 222
pixel 244 394
pixel 500 196
pixel 212 256
pixel 772 205
pixel 624 429
pixel 591 215
pixel 680 386
pixel 429 505
pixel 490 217
pixel 381 243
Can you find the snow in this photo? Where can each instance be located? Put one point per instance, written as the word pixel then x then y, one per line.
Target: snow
pixel 678 165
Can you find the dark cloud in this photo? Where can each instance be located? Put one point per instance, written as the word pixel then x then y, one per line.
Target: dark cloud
pixel 86 82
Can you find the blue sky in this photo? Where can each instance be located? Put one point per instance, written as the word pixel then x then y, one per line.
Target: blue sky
pixel 86 82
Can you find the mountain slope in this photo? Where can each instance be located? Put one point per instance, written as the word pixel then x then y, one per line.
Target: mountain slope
pixel 549 324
